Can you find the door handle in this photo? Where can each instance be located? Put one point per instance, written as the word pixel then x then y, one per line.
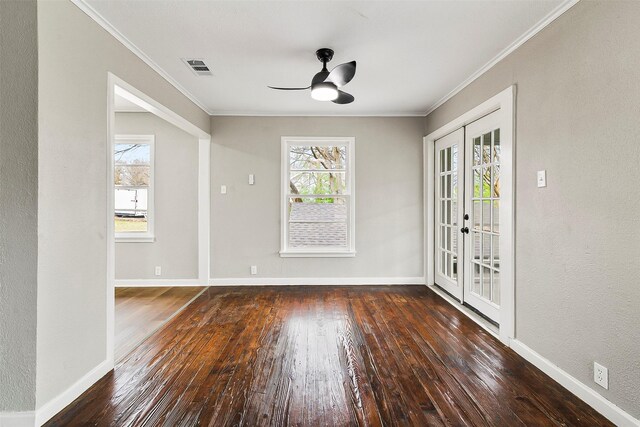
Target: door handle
pixel 464 230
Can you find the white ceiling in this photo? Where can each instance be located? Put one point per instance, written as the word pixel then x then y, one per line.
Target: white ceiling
pixel 410 54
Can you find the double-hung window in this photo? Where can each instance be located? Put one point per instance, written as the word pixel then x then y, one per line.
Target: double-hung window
pixel 317 197
pixel 133 179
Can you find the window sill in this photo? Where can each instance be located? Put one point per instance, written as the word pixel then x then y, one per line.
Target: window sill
pixel 135 239
pixel 318 254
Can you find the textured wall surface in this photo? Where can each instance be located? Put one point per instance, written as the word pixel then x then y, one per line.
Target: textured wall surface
pixel 578 240
pixel 75 55
pixel 18 204
pixel 175 248
pixel 245 223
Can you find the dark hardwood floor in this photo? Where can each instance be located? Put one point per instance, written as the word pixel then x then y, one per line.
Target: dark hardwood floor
pixel 140 311
pixel 369 355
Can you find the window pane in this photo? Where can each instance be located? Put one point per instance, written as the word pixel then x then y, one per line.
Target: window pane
pixel 131 202
pixel 131 210
pixel 318 183
pixel 132 164
pixel 315 157
pixel 132 175
pixel 130 224
pixel 316 222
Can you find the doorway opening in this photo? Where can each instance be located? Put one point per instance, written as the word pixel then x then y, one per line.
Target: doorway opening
pixel 157 215
pixel 469 197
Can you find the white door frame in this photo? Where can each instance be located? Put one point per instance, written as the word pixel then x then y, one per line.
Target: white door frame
pixel 505 103
pixel 115 85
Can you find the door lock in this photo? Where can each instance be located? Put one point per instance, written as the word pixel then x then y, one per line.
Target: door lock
pixel 464 230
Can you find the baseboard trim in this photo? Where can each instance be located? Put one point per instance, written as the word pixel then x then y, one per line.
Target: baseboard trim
pixel 314 281
pixel 615 414
pixel 57 404
pixel 153 283
pixel 17 419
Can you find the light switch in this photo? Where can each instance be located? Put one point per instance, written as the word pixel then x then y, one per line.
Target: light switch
pixel 542 178
pixel 223 189
pixel 252 179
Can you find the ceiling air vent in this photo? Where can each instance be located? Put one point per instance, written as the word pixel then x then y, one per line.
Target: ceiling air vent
pixel 198 66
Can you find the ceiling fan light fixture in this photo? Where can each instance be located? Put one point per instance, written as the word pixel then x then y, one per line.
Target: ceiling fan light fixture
pixel 324 91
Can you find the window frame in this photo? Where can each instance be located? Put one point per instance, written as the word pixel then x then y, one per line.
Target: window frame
pixel 319 252
pixel 149 235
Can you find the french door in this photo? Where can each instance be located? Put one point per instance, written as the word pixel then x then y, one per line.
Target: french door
pixel 467 219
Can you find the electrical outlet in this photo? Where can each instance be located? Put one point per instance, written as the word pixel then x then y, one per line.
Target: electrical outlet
pixel 223 189
pixel 158 270
pixel 254 269
pixel 601 375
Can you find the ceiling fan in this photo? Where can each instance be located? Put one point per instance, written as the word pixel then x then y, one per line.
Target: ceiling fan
pixel 324 85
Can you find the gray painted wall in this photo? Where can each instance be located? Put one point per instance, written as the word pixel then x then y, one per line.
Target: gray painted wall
pixel 18 204
pixel 245 223
pixel 175 248
pixel 75 54
pixel 578 240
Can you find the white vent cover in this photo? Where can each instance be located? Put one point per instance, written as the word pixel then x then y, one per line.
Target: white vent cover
pixel 198 66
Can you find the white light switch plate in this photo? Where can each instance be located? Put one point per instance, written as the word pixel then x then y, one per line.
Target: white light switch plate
pixel 223 189
pixel 252 179
pixel 542 178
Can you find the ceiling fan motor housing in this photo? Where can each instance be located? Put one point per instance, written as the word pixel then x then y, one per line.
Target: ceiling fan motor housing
pixel 324 55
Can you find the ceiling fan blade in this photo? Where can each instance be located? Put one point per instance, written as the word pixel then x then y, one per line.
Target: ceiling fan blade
pixel 342 74
pixel 344 98
pixel 289 88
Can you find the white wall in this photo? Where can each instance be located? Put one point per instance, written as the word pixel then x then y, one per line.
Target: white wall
pixel 175 248
pixel 577 240
pixel 18 204
pixel 246 221
pixel 75 55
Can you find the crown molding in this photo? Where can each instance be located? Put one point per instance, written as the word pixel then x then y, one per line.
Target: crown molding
pixel 100 20
pixel 543 23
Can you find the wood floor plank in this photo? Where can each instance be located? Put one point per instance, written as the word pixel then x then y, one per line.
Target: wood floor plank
pixel 334 356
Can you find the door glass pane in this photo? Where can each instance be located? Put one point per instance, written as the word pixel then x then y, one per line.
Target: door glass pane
pixel 496 216
pixel 486 182
pixel 496 145
pixel 454 273
pixel 495 297
pixel 486 148
pixel 477 184
pixel 496 251
pixel 476 214
pixel 475 280
pixel 495 187
pixel 486 283
pixel 486 215
pixel 476 151
pixel 475 248
pixel 486 248
pixel 448 265
pixel 447 165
